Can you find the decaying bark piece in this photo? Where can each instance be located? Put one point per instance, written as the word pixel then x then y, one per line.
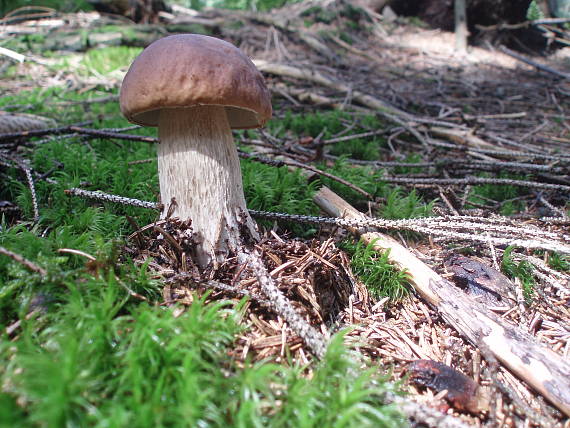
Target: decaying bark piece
pixel 463 393
pixel 484 283
pixel 538 366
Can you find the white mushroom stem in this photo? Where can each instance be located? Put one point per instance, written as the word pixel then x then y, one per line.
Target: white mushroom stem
pixel 198 166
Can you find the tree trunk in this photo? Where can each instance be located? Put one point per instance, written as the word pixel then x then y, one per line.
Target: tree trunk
pixel 461 32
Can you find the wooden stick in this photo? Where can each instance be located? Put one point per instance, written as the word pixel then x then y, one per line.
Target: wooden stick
pixel 538 366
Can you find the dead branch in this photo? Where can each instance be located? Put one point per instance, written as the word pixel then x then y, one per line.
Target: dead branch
pixel 30 180
pixel 316 77
pixel 100 196
pixel 435 182
pixel 462 136
pixel 495 230
pixel 18 137
pixel 505 26
pixel 534 63
pixel 305 96
pixel 21 122
pixel 23 261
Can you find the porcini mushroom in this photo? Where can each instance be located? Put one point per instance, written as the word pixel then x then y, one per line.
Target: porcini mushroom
pixel 197 88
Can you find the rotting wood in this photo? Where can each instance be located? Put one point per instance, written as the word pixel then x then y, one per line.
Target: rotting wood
pixel 539 367
pixel 462 136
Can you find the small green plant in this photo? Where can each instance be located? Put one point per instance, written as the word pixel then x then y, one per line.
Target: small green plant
pixel 521 270
pixel 106 362
pixel 339 394
pixel 312 125
pixel 380 276
pixel 560 262
pixel 366 178
pixel 534 11
pixel 410 158
pixel 358 148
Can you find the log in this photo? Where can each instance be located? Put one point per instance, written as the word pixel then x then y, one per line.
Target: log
pixel 539 367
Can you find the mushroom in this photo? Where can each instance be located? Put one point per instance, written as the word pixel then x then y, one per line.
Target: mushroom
pixel 197 88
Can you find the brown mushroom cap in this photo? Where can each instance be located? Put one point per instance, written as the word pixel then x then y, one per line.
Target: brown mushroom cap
pixel 189 70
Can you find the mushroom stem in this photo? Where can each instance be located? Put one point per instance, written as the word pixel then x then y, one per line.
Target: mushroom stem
pixel 198 165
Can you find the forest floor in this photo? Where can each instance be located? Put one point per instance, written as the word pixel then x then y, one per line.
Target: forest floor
pixel 477 142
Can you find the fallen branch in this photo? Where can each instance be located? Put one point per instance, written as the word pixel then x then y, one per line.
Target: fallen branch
pixel 73 129
pixel 435 182
pixel 498 231
pixel 504 26
pixel 30 180
pixel 534 63
pixel 100 196
pixel 306 96
pixel 539 367
pixel 462 136
pixel 23 261
pixel 316 77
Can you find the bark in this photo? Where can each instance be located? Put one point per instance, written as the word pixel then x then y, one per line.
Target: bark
pixel 538 366
pixel 198 166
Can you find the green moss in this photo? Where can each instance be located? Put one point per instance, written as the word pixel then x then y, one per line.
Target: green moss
pixel 522 270
pixel 103 61
pixel 505 195
pixel 320 14
pixel 400 205
pixel 380 276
